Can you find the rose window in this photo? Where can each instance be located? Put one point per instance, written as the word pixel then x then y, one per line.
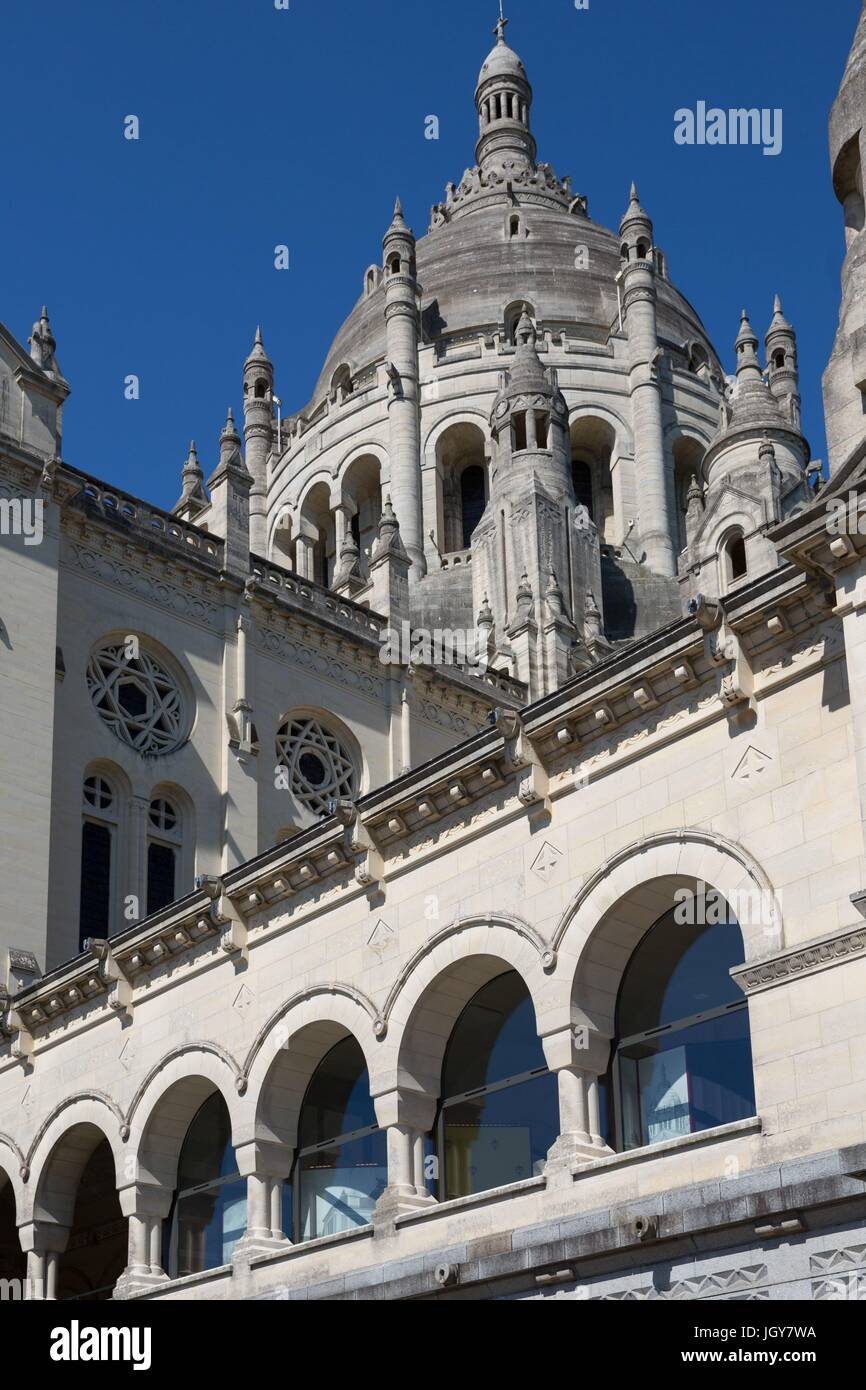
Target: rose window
pixel 320 770
pixel 138 700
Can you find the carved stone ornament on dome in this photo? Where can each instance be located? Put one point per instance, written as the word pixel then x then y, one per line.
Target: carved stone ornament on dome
pixel 532 179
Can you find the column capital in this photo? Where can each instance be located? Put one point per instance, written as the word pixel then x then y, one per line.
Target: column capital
pixel 578 1046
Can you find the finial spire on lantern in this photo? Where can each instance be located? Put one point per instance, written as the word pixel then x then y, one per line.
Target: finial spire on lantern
pixel 501 23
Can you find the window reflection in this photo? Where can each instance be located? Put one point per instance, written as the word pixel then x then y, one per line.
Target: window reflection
pixel 683 1055
pixel 500 1112
pixel 210 1208
pixel 341 1169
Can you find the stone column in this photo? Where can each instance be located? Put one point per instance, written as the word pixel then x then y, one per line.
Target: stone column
pixel 266 1166
pixel 305 557
pixel 639 299
pixel 136 884
pixel 145 1208
pixel 43 1243
pixel 407 1116
pixel 578 1056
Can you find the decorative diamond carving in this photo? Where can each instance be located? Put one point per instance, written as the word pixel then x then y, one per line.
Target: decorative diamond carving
pixel 752 766
pixel 546 861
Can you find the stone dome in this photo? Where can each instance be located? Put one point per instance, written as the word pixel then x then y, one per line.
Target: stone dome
pixel 502 62
pixel 470 272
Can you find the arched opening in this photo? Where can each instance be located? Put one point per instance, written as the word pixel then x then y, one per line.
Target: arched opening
pixel 394 265
pixel 13 1261
pixel 315 544
pixel 99 834
pixel 512 316
pixel 699 360
pixel 581 477
pixel 96 1253
pixel 682 1056
pixel 519 432
pixel 688 455
pixel 592 444
pixel 779 359
pixel 341 382
pixel 209 1211
pixel 735 559
pixel 499 1112
pixel 643 250
pixel 462 485
pixel 262 389
pixel 362 495
pixel 341 1165
pixel 77 1196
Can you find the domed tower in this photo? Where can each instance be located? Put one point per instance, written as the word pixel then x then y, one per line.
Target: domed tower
pixel 258 437
pixel 504 100
pixel 532 528
pixel 845 377
pixel 639 300
pixel 403 331
pixel 753 476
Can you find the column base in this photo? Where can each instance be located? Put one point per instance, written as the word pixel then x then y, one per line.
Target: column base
pixel 258 1245
pixel 133 1284
pixel 400 1201
pixel 574 1151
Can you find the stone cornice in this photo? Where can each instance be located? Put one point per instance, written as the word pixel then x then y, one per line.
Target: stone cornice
pixel 801 961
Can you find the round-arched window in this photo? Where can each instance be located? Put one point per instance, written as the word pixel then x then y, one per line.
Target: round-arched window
pixel 341 1168
pixel 209 1215
pixel 682 1059
pixel 98 794
pixel 319 767
pixel 499 1113
pixel 137 698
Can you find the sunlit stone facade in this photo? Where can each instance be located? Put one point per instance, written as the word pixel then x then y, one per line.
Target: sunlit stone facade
pixel 334 974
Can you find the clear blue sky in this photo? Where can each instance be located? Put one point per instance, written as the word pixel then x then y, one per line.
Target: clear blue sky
pixel 261 127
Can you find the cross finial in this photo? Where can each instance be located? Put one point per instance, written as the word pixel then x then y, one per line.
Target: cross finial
pixel 500 24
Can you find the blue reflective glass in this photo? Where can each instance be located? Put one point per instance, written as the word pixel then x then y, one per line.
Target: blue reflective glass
pixel 499 1138
pixel 687 1080
pixel 678 971
pixel 340 1185
pixel 494 1039
pixel 210 1212
pixel 338 1097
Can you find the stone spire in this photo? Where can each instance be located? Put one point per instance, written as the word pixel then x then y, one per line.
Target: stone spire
pixel 193 498
pixel 402 343
pixel 783 371
pixel 43 344
pixel 258 437
pixel 746 346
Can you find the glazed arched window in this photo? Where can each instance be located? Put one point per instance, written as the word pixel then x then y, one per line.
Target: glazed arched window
pixel 499 1112
pixel 341 1167
pixel 473 500
pixel 98 844
pixel 164 838
pixel 682 1058
pixel 209 1214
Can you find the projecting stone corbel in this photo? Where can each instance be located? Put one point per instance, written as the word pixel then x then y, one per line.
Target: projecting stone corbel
pixel 112 976
pixel 521 754
pixel 360 847
pixel 724 649
pixel 224 915
pixel 13 1028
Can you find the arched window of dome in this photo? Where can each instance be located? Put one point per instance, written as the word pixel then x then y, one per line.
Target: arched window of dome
pixel 514 225
pixel 779 359
pixel 473 500
pixel 624 251
pixel 688 456
pixel 593 441
pixel 315 543
pixel 341 382
pixel 699 359
pixel 394 264
pixel 512 316
pixel 341 1165
pixel 99 832
pixel 581 477
pixel 361 495
pixel 682 1055
pixel 462 485
pixel 262 389
pixel 499 1113
pixel 209 1211
pixel 643 249
pixel 372 280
